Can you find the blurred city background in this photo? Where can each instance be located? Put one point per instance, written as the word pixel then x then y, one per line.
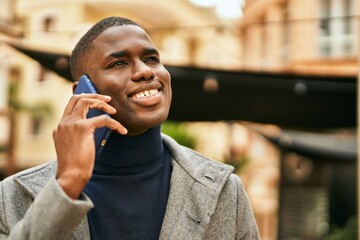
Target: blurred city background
pixel 268 86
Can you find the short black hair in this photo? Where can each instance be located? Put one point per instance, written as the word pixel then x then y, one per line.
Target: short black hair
pixel 78 54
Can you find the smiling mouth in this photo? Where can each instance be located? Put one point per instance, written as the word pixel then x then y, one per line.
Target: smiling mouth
pixel 146 93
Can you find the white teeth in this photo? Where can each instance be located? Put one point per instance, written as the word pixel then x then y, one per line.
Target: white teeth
pixel 146 93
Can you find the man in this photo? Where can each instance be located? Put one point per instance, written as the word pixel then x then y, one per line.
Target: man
pixel 143 185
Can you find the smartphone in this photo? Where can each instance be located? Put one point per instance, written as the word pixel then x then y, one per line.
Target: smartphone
pixel 101 135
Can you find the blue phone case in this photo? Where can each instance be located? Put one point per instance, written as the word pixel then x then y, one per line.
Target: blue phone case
pixel 101 135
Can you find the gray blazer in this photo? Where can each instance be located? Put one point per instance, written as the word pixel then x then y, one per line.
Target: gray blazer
pixel 206 201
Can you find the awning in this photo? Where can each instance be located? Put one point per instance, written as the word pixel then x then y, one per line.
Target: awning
pixel 326 147
pixel 287 100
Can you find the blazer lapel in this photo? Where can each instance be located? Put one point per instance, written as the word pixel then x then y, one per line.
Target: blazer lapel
pixel 34 180
pixel 190 205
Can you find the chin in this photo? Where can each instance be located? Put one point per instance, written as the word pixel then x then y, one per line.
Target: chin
pixel 142 124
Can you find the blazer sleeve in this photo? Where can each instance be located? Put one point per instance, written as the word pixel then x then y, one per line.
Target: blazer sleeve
pixel 52 214
pixel 245 221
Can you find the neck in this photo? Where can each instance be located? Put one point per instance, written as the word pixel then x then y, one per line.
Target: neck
pixel 132 151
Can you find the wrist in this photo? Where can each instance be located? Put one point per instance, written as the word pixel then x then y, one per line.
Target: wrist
pixel 72 185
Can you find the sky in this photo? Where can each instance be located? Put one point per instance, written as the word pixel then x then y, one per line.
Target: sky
pixel 227 9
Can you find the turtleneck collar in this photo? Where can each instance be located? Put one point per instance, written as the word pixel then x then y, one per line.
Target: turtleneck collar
pixel 131 151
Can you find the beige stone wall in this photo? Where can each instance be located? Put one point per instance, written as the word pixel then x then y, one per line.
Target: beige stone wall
pixel 302 34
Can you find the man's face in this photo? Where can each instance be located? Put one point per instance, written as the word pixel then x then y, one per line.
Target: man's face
pixel 125 65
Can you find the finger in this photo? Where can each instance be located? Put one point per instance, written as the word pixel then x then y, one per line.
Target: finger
pixel 85 104
pixel 76 97
pixel 106 121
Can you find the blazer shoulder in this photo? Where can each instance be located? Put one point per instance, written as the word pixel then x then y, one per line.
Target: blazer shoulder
pixel 31 180
pixel 202 169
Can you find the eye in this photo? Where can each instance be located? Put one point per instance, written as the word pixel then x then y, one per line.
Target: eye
pixel 117 64
pixel 153 59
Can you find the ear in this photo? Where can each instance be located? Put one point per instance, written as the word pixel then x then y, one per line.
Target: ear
pixel 74 86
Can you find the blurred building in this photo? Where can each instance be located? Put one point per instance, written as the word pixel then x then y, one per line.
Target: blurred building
pixel 293 36
pixel 318 188
pixel 306 36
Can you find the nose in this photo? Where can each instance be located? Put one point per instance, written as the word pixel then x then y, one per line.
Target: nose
pixel 142 72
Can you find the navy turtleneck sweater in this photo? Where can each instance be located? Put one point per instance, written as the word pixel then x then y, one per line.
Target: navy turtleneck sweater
pixel 130 187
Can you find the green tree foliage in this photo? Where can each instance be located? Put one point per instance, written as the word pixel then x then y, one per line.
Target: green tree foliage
pixel 42 108
pixel 178 131
pixel 348 232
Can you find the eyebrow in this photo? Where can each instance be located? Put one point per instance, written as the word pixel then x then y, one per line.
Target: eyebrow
pixel 119 54
pixel 150 51
pixel 124 53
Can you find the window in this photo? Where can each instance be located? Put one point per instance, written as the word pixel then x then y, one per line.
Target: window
pixel 36 125
pixel 325 17
pixel 48 20
pixel 336 38
pixel 14 80
pixel 14 75
pixel 43 72
pixel 48 24
pixel 347 17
